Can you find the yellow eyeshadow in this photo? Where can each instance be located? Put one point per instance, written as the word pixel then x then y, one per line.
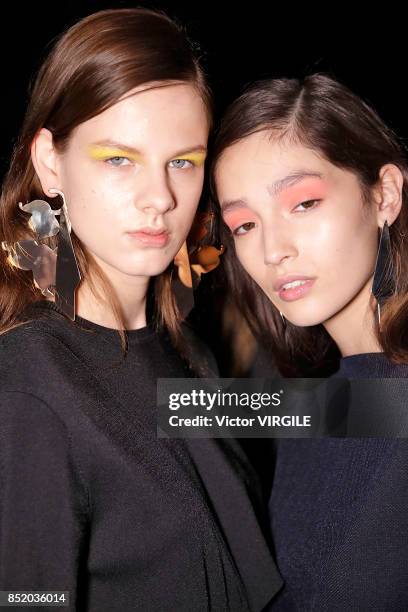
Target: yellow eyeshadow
pixel 99 153
pixel 195 158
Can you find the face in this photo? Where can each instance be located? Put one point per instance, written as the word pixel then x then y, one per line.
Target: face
pixel 299 224
pixel 132 177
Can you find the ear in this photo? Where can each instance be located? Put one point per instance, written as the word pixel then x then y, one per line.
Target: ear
pixel 44 158
pixel 389 194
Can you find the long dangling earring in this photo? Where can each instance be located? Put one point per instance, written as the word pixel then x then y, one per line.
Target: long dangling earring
pixel 31 254
pixel 50 267
pixel 67 276
pixel 383 281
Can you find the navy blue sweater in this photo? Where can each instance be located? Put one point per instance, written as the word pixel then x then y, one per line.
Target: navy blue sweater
pixel 339 515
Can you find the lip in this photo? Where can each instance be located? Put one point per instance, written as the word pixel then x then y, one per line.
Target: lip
pixel 295 293
pixel 149 236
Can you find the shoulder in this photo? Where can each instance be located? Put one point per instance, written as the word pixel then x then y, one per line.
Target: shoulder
pixel 29 425
pixel 27 332
pixel 22 411
pixel 33 359
pixel 371 365
pixel 26 336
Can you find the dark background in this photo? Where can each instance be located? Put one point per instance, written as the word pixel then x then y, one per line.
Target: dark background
pixel 366 50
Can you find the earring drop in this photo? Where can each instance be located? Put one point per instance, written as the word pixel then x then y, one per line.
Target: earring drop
pixel 50 267
pixel 383 280
pixel 68 275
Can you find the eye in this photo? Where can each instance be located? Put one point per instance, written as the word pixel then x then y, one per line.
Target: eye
pixel 244 228
pixel 181 163
pixel 308 205
pixel 117 161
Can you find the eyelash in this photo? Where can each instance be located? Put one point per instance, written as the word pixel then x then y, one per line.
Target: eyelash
pixel 314 202
pixel 183 160
pixel 235 232
pixel 109 161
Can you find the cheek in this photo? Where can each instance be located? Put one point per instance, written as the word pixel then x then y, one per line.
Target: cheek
pixel 181 221
pixel 191 192
pixel 96 199
pixel 97 217
pixel 250 254
pixel 320 241
pixel 187 195
pixel 192 188
pixel 347 246
pixel 95 207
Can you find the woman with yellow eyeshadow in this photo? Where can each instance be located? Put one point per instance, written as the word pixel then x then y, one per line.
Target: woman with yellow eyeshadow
pixel 102 190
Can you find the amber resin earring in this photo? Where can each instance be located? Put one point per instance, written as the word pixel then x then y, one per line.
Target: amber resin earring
pixel 194 259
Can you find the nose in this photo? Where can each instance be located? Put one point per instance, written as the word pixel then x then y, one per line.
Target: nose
pixel 278 244
pixel 156 195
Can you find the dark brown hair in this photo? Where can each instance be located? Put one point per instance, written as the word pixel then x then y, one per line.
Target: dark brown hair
pixel 91 66
pixel 324 115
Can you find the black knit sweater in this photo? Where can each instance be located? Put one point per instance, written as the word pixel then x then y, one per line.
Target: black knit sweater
pixel 93 503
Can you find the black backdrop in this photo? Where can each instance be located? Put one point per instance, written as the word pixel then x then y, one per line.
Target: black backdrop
pixel 365 49
pixel 242 42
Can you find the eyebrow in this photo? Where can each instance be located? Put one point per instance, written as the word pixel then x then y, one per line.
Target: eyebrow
pixel 273 189
pixel 291 179
pixel 124 147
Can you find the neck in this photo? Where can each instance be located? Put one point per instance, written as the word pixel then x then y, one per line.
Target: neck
pixel 352 329
pixel 130 292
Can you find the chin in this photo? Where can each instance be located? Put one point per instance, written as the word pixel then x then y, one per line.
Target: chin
pixel 305 319
pixel 143 266
pixel 146 271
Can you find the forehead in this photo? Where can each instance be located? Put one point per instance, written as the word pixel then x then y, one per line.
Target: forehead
pixel 261 156
pixel 163 113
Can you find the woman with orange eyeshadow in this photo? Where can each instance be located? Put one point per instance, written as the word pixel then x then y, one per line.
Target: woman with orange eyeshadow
pixel 312 191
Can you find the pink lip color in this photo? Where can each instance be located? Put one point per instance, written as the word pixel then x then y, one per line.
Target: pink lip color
pixel 151 238
pixel 295 293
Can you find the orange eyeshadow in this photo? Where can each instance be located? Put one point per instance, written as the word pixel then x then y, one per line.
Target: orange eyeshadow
pixel 235 218
pixel 313 190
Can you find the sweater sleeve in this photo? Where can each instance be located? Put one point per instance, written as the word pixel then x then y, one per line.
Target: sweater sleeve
pixel 43 504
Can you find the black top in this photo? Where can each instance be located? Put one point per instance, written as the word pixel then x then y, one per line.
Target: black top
pixel 92 502
pixel 339 515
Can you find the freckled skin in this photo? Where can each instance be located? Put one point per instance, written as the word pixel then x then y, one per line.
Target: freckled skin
pixel 334 242
pixel 106 199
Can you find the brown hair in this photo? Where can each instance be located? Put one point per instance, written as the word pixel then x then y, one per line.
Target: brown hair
pixel 324 115
pixel 91 66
